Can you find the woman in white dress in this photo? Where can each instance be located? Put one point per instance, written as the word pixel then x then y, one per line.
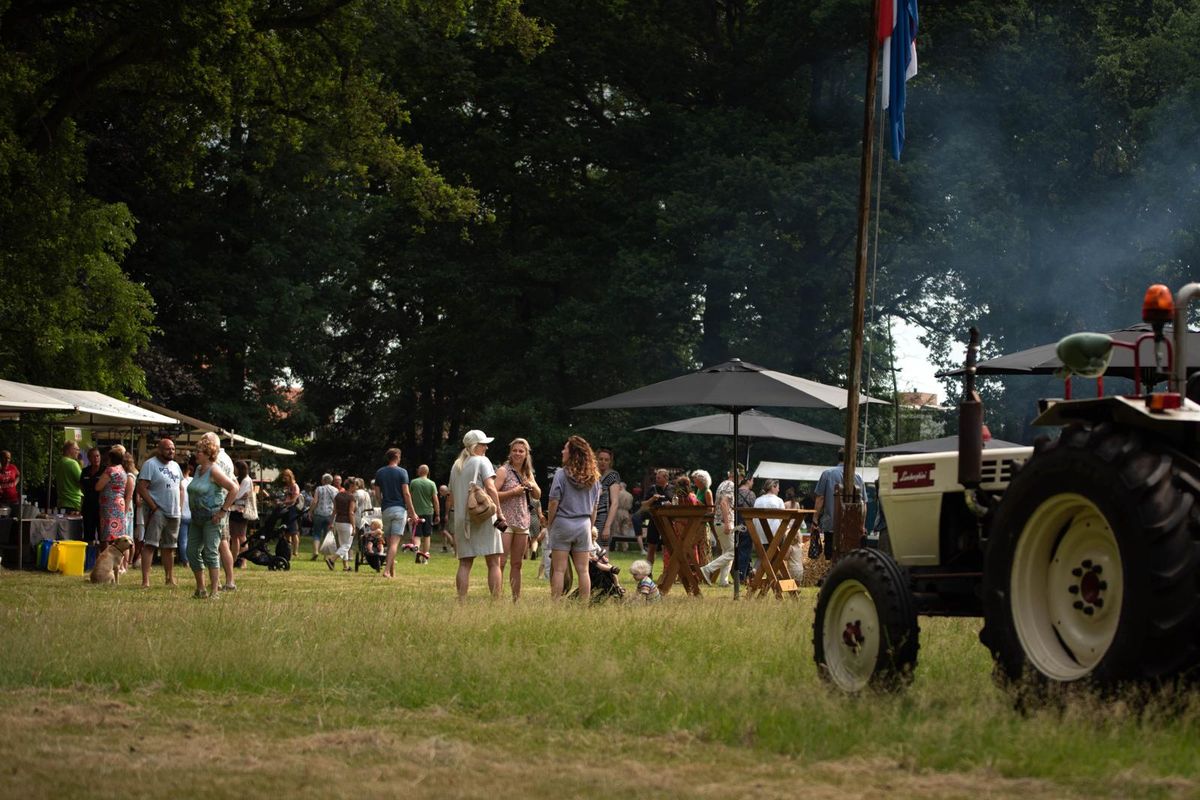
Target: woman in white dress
pixel 476 538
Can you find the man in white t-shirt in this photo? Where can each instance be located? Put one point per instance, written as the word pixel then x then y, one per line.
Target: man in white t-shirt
pixel 160 489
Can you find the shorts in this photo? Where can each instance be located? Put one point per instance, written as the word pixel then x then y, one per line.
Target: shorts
pixel 395 520
pixel 425 526
pixel 162 531
pixel 291 520
pixel 237 524
pixel 573 534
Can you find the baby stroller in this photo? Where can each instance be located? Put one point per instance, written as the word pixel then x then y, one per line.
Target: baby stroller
pixel 369 551
pixel 603 573
pixel 270 529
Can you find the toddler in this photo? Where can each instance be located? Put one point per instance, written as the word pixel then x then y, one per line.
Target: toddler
pixel 373 538
pixel 647 589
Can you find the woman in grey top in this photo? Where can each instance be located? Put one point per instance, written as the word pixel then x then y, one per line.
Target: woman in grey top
pixel 474 538
pixel 572 515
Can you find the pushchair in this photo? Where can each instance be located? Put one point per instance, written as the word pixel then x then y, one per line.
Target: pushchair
pixel 270 529
pixel 369 551
pixel 603 573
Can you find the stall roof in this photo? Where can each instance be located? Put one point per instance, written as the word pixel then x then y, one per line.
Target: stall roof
pixel 92 409
pixel 23 397
pixel 804 472
pixel 208 427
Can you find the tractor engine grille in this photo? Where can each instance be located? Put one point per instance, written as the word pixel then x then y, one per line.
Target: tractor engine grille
pixel 997 473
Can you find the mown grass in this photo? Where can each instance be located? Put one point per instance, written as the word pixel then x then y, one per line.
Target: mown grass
pixel 295 653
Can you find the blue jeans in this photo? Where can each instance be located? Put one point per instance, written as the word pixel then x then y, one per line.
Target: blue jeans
pixel 320 527
pixel 184 524
pixel 745 554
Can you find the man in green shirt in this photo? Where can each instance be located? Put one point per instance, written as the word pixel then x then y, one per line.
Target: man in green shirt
pixel 70 493
pixel 425 504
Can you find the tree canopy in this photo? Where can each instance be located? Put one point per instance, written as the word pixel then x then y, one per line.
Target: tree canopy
pixel 433 216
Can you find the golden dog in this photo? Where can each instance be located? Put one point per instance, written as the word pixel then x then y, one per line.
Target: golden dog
pixel 108 563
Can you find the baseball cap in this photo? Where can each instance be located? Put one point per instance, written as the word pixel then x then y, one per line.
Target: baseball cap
pixel 475 437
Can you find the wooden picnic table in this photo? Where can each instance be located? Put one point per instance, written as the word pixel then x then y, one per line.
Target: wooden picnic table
pixel 681 529
pixel 773 574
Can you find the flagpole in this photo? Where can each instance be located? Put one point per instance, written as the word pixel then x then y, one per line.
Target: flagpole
pixel 850 519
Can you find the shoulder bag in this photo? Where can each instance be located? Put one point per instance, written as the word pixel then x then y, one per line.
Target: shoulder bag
pixel 479 503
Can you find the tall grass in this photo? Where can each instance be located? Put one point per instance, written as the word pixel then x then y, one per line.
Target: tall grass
pixel 739 674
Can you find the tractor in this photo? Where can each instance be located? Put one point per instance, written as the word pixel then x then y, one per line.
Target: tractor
pixel 1081 553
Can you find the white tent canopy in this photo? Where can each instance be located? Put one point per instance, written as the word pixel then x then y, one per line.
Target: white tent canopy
pixel 804 472
pixel 90 409
pixel 244 442
pixel 23 397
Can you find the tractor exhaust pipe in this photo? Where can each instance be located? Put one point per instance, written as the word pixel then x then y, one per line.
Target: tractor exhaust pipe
pixel 970 424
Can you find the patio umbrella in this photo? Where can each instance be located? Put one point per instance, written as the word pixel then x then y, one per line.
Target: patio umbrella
pixel 754 425
pixel 736 386
pixel 946 444
pixel 1042 360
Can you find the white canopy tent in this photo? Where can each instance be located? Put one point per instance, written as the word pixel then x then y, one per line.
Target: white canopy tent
pixel 199 426
pixel 17 397
pixel 93 409
pixel 804 472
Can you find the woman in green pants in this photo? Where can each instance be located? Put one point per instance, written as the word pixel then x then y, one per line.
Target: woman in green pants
pixel 207 493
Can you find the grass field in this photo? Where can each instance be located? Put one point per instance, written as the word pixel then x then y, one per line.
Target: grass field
pixel 318 684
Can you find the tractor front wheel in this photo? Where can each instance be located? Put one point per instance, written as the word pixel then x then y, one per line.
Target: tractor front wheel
pixel 865 632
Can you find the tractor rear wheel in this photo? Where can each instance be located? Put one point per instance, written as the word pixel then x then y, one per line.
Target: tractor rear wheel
pixel 1093 565
pixel 865 632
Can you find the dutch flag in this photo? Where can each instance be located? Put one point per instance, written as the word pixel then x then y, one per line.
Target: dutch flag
pixel 898 32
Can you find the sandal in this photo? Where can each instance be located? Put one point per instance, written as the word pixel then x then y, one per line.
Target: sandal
pixel 229 587
pixel 200 594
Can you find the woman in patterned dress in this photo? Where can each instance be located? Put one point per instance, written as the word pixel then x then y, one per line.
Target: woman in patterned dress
pixel 111 488
pixel 517 487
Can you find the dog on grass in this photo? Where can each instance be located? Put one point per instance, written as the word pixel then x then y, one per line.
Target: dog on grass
pixel 108 564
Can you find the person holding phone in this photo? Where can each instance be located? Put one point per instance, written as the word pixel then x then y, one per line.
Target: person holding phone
pixel 518 491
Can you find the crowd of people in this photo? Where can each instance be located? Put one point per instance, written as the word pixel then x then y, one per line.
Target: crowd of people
pixel 199 510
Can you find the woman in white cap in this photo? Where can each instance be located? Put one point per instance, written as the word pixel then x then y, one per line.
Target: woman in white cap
pixel 476 537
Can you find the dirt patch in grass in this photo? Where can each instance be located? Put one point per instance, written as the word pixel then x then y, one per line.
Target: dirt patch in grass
pixel 67 743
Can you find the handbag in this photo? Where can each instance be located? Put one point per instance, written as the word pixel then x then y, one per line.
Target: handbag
pixel 329 544
pixel 479 503
pixel 250 512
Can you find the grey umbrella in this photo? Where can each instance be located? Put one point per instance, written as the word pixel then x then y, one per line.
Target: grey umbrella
pixel 754 425
pixel 1043 360
pixel 736 386
pixel 945 444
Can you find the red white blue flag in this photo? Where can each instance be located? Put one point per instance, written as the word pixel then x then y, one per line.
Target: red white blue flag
pixel 898 32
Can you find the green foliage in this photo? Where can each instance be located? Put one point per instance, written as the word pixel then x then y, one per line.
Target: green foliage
pixel 434 215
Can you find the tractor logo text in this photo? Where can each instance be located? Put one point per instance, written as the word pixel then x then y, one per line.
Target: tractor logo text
pixel 913 476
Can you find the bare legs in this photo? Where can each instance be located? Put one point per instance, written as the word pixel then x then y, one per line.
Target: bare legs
pixel 495 577
pixel 226 561
pixel 389 565
pixel 514 551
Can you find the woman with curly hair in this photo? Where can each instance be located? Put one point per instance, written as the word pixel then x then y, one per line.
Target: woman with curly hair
pixel 572 515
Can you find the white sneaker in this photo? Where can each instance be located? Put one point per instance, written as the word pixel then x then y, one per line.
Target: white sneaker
pixel 706 575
